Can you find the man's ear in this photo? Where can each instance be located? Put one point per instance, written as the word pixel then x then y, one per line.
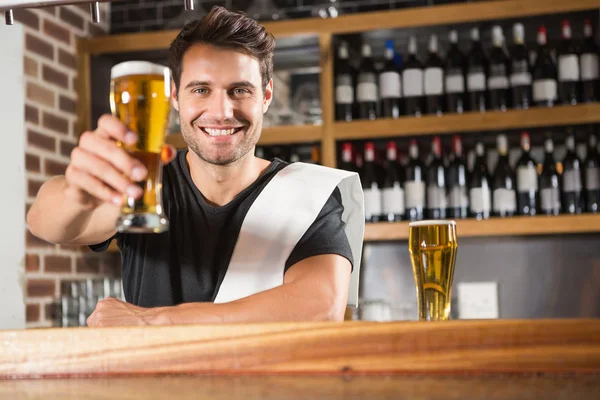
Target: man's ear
pixel 174 99
pixel 268 96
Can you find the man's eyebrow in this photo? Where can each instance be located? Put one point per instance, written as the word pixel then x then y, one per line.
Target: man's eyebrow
pixel 245 84
pixel 197 83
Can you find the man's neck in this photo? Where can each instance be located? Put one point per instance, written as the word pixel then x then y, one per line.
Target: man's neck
pixel 220 184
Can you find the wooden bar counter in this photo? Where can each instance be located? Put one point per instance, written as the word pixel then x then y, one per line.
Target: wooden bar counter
pixel 497 359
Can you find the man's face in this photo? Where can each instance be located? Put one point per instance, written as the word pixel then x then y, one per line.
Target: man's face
pixel 221 103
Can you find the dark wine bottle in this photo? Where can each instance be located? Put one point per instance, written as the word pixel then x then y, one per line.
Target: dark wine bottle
pixel 344 85
pixel 434 79
pixel 347 161
pixel 497 84
pixel 477 64
pixel 549 182
pixel 366 89
pixel 504 184
pixel 389 84
pixel 393 192
pixel 572 179
pixel 520 78
pixel 412 81
pixel 480 197
pixel 455 77
pixel 371 185
pixel 588 63
pixel 437 203
pixel 592 176
pixel 545 92
pixel 568 68
pixel 458 196
pixel 414 185
pixel 527 179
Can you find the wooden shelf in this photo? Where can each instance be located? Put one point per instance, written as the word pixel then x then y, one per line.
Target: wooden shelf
pixel 469 122
pixel 515 226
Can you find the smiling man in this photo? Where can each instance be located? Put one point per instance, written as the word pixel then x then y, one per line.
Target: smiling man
pixel 250 240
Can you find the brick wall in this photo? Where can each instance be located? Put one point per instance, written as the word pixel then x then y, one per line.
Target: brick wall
pixel 50 86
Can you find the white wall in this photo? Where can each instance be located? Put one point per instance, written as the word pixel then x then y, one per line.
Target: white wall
pixel 12 178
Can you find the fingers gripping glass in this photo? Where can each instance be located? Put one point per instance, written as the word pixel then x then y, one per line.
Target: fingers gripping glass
pixel 140 97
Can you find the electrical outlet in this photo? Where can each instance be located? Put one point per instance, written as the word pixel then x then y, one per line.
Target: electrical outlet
pixel 478 300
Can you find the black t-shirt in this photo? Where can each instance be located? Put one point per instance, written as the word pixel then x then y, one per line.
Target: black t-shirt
pixel 188 262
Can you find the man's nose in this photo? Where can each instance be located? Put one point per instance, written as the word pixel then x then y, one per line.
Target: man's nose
pixel 220 106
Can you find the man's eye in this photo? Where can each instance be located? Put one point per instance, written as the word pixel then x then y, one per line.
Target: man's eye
pixel 200 90
pixel 240 91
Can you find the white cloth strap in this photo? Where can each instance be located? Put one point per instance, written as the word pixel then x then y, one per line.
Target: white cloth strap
pixel 278 219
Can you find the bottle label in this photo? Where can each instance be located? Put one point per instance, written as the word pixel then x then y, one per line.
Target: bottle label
pixel 436 197
pixel 568 68
pixel 545 89
pixel 389 85
pixel 527 179
pixel 480 200
pixel 412 82
pixel 572 181
pixel 589 67
pixel 458 198
pixel 434 81
pixel 592 178
pixel 366 89
pixel 520 79
pixel 549 198
pixel 372 202
pixel 505 200
pixel 344 94
pixel 393 200
pixel 455 83
pixel 476 82
pixel 415 194
pixel 497 82
pixel 520 67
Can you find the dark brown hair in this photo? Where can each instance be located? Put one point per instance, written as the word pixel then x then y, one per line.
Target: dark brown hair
pixel 226 29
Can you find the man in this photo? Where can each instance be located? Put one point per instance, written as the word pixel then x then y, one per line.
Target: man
pixel 249 240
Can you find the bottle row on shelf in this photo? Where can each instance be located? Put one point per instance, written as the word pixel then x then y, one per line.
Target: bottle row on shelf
pixel 455 185
pixel 291 153
pixel 498 79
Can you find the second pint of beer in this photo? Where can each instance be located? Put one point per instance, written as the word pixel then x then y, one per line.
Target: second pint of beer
pixel 433 246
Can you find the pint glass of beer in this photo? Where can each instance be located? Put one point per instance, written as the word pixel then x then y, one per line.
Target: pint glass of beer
pixel 433 246
pixel 140 98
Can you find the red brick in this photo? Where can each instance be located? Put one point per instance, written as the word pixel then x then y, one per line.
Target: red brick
pixel 32 163
pixel 55 77
pixel 40 140
pixel 52 312
pixel 56 263
pixel 55 123
pixel 49 10
pixel 28 18
pixel 33 187
pixel 88 265
pixel 66 148
pixel 72 18
pixel 40 94
pixel 57 32
pixel 39 46
pixel 33 241
pixel 31 67
pixel 66 104
pixel 32 114
pixel 32 262
pixel 67 59
pixel 53 168
pixel 32 312
pixel 41 288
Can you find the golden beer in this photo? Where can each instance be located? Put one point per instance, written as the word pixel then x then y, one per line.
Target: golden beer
pixel 140 97
pixel 433 246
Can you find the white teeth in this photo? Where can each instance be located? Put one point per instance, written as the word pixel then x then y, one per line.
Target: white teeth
pixel 219 132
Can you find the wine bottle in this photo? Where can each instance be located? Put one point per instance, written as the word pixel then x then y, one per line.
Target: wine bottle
pixel 347 162
pixel 412 81
pixel 366 90
pixel 436 183
pixel 588 63
pixel 414 185
pixel 545 92
pixel 371 185
pixel 497 83
pixel 344 85
pixel 549 182
pixel 476 74
pixel 527 179
pixel 568 67
pixel 572 181
pixel 592 176
pixel 480 197
pixel 393 193
pixel 504 184
pixel 389 84
pixel 455 77
pixel 520 78
pixel 458 199
pixel 434 79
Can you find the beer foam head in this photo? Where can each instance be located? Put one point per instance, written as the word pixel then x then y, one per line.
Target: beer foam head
pixel 432 222
pixel 138 68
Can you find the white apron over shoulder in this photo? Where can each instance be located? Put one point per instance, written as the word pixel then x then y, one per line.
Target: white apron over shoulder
pixel 278 219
